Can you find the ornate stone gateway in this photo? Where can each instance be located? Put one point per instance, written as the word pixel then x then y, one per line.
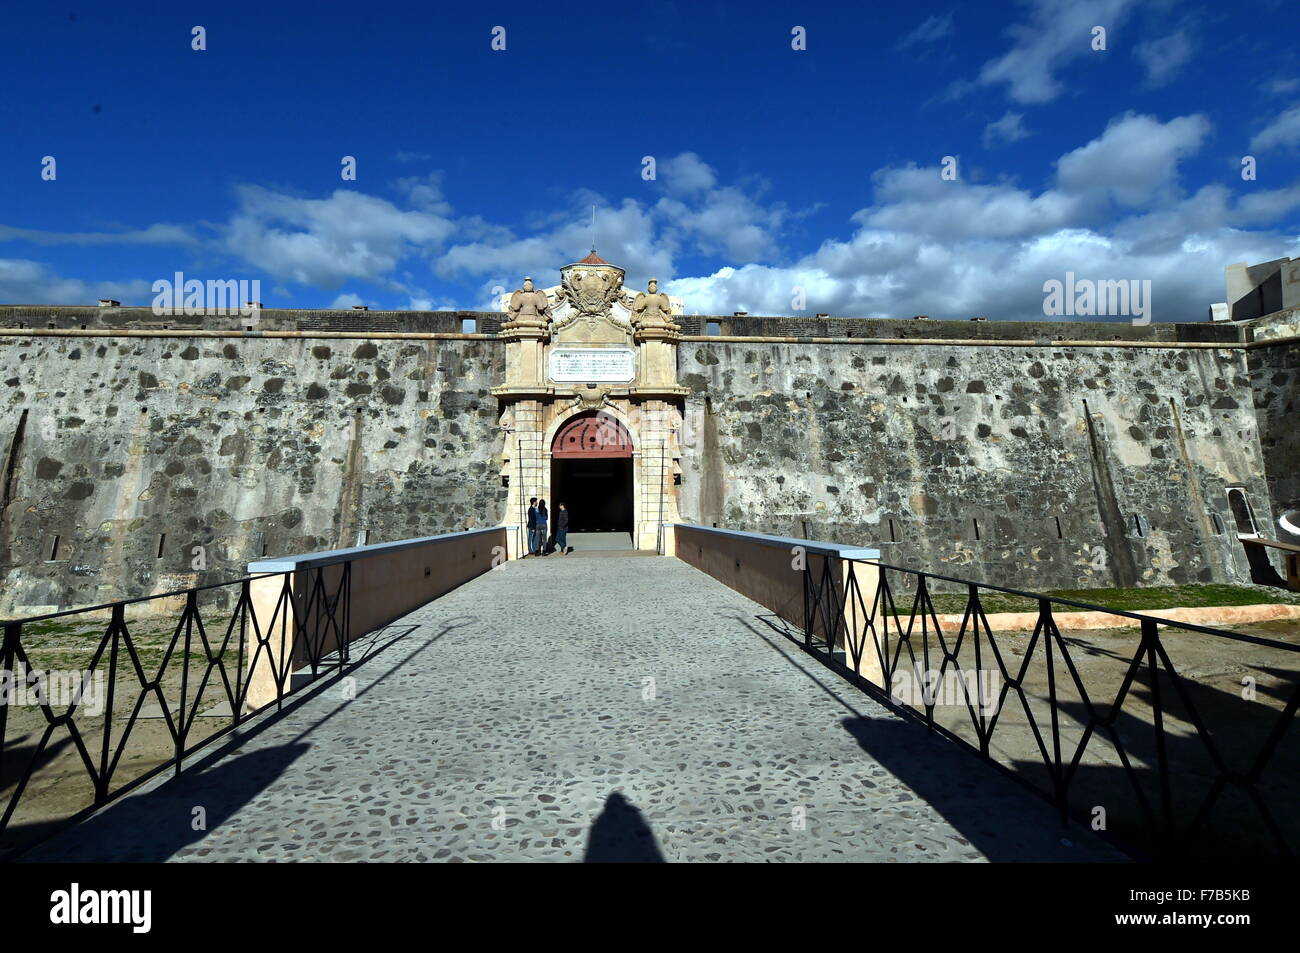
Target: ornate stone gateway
pixel 587 359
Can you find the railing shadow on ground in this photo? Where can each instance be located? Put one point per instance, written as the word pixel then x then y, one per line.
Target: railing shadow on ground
pixel 1002 823
pixel 1136 743
pixel 142 685
pixel 154 823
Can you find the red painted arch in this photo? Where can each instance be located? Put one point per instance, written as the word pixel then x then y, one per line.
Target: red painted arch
pixel 594 434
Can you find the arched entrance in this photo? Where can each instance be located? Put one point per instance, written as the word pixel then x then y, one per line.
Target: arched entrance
pixel 591 473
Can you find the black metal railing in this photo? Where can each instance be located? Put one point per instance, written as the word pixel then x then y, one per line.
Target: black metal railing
pixel 306 634
pixel 1207 771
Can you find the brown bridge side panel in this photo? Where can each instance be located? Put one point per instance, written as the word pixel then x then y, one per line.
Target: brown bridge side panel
pixel 384 587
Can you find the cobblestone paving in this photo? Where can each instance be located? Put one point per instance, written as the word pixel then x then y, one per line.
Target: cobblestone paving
pixel 559 709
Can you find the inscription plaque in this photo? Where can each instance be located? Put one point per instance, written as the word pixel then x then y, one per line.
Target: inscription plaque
pixel 597 365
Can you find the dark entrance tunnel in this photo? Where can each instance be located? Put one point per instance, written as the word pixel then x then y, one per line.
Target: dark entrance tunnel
pixel 591 473
pixel 597 492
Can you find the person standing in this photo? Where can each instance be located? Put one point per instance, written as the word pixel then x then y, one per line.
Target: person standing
pixel 562 529
pixel 533 547
pixel 542 519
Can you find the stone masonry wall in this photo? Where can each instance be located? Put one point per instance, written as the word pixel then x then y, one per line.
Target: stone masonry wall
pixel 1038 465
pixel 132 450
pixel 1275 375
pixel 1032 467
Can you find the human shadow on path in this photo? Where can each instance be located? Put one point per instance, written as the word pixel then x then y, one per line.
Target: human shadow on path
pixel 620 835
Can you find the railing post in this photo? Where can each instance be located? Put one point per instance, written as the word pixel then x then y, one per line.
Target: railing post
pixel 1150 641
pixel 281 666
pixel 191 607
pixel 13 634
pixel 115 626
pixel 807 603
pixel 345 650
pixel 976 612
pixel 245 607
pixel 1048 626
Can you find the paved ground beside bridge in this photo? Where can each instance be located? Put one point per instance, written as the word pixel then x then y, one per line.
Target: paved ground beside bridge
pixel 564 709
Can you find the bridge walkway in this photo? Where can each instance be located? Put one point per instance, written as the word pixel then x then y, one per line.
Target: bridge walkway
pixel 565 709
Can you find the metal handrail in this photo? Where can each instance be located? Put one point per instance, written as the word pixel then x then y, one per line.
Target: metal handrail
pixel 321 609
pixel 838 618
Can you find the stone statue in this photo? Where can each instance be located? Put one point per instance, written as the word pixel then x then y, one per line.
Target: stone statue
pixel 651 306
pixel 529 306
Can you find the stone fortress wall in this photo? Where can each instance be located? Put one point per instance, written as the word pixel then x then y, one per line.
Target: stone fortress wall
pixel 1003 452
pixel 133 448
pixel 1034 465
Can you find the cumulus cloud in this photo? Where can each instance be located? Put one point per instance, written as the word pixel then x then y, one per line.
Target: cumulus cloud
pixel 686 174
pixel 31 282
pixel 1134 159
pixel 959 249
pixel 918 200
pixel 1163 58
pixel 693 214
pixel 346 301
pixel 425 193
pixel 1055 33
pixel 324 242
pixel 1010 128
pixel 1282 132
pixel 1115 209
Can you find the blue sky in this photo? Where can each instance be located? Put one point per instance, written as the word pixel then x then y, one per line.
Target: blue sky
pixel 776 169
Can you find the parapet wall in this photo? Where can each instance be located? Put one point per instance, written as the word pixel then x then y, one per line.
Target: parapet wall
pixel 1042 466
pixel 1041 454
pixel 123 453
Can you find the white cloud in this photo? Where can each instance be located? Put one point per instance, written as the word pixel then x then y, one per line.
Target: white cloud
pixel 425 193
pixel 325 242
pixel 695 214
pixel 955 250
pixel 930 29
pixel 1055 33
pixel 31 282
pixel 1282 85
pixel 1134 160
pixel 153 235
pixel 1163 58
pixel 347 301
pixel 917 200
pixel 1282 132
pixel 922 246
pixel 685 174
pixel 1010 128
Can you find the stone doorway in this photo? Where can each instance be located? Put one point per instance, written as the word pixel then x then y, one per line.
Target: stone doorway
pixel 592 474
pixel 598 494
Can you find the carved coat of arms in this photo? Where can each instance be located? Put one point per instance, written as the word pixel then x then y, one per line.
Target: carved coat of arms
pixel 593 291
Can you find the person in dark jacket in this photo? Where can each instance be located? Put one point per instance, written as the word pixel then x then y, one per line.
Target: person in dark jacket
pixel 542 520
pixel 562 529
pixel 534 546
